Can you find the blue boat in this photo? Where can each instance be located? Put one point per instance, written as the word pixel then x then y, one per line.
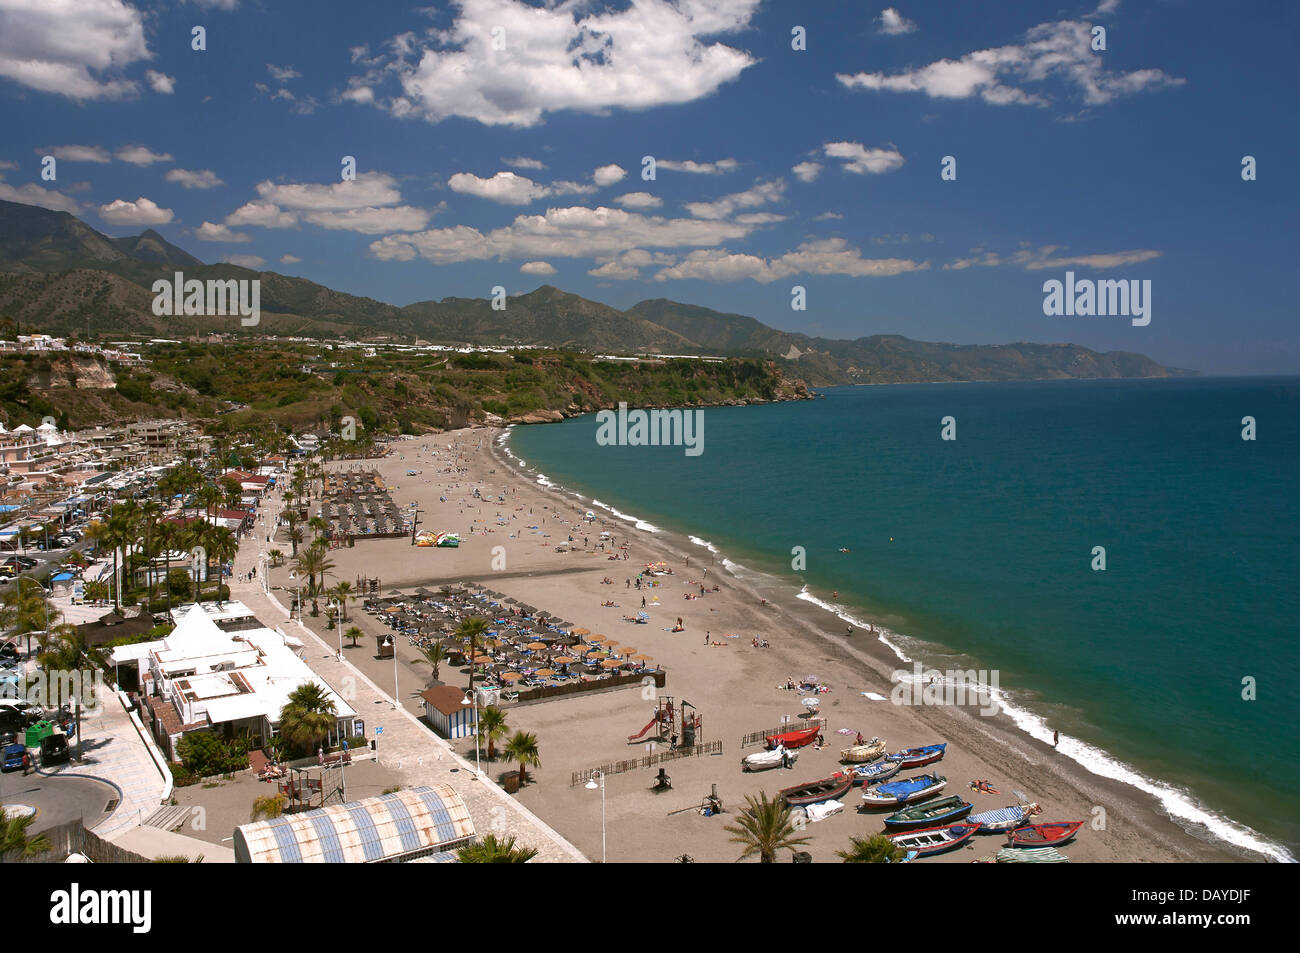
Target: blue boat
pixel 905 791
pixel 917 757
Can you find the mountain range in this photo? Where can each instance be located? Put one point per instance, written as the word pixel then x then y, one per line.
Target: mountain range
pixel 59 275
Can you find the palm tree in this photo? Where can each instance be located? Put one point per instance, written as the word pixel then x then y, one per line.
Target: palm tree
pixel 308 717
pixel 25 609
pixel 435 655
pixel 522 747
pixel 295 537
pixel 764 827
pixel 150 513
pixel 342 592
pixel 223 546
pixel 493 851
pixel 14 837
pixel 877 849
pixel 276 557
pixel 353 633
pixel 471 629
pixel 491 726
pixel 209 497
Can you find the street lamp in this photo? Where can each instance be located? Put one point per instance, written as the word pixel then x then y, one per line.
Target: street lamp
pixel 472 699
pixel 391 642
pixel 338 624
pixel 297 596
pixel 591 785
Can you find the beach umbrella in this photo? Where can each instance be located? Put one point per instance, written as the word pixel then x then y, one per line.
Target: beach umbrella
pixel 480 659
pixel 510 676
pixel 627 650
pixel 581 632
pixel 564 660
pixel 810 702
pixel 544 672
pixel 611 663
pixel 644 658
pixel 596 638
pixel 535 646
pixel 594 652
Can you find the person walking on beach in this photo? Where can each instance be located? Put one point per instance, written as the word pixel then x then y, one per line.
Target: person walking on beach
pixel 1056 738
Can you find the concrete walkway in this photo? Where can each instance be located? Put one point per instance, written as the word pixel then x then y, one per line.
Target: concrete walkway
pixel 407 746
pixel 113 752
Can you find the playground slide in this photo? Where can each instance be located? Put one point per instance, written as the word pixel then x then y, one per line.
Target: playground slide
pixel 653 721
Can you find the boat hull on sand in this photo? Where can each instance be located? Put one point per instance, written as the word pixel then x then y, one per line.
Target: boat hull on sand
pixel 794 739
pixel 1051 834
pixel 893 793
pixel 815 792
pixel 872 773
pixel 934 840
pixel 944 811
pixel 763 760
pixel 1004 818
pixel 873 750
pixel 918 757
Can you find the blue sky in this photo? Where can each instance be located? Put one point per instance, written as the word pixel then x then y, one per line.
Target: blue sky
pixel 500 143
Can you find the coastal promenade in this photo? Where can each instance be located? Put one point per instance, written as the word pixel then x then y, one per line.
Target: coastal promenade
pixel 407 746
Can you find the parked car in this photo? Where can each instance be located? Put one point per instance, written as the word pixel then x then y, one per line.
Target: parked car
pixel 55 750
pixel 11 759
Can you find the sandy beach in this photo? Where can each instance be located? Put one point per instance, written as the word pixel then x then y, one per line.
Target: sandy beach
pixel 737 688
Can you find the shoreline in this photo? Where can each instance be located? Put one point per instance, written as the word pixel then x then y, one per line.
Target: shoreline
pixel 736 689
pixel 1013 722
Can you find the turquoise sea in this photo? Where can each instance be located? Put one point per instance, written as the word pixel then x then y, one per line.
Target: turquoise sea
pixel 982 547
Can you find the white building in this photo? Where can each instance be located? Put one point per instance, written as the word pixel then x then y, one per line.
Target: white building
pixel 231 679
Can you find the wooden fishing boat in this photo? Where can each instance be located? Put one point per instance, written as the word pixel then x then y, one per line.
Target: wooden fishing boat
pixel 860 754
pixel 1004 818
pixel 906 791
pixel 814 792
pixel 918 757
pixel 934 840
pixel 1052 834
pixel 794 739
pixel 946 810
pixel 762 760
pixel 872 773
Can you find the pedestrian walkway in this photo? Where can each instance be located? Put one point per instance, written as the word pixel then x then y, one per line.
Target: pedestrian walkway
pixel 113 751
pixel 407 747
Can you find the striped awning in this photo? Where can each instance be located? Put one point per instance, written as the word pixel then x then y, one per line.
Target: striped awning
pixel 403 826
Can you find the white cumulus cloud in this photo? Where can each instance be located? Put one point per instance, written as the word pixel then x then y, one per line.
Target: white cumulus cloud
pixel 508 188
pixel 193 179
pixel 608 175
pixel 141 155
pixel 639 200
pixel 508 62
pixel 541 268
pixel 893 23
pixel 863 161
pixel 1060 51
pixel 214 232
pixel 142 211
pixel 73 48
pixel 160 82
pixel 807 171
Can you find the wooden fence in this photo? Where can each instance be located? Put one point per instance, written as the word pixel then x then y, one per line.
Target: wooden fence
pixel 758 737
pixel 649 761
